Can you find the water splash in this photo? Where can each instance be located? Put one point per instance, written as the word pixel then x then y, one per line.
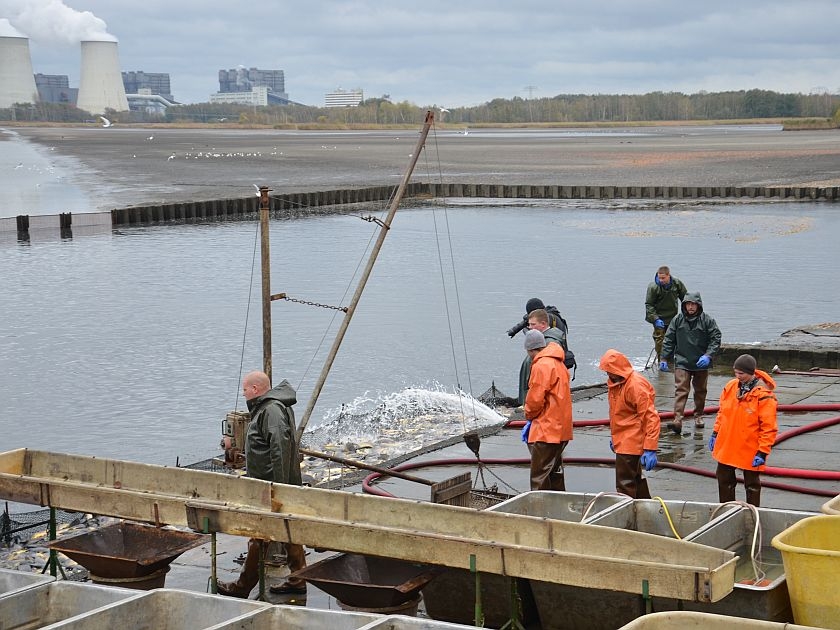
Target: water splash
pixel 388 425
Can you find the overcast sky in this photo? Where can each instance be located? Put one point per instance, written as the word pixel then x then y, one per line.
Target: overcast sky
pixel 455 53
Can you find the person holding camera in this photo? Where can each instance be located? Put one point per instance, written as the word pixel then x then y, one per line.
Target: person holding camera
pixel 661 305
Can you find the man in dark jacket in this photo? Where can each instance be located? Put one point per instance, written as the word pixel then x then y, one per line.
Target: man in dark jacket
pixel 692 339
pixel 271 454
pixel 661 304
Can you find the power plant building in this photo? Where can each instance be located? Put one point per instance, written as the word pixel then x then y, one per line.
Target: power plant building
pixel 344 98
pixel 245 79
pixel 100 83
pixel 55 88
pixel 17 82
pixel 140 82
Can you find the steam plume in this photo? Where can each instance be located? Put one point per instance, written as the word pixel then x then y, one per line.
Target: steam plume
pixel 7 30
pixel 52 20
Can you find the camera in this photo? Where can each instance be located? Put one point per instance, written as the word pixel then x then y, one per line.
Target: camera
pixel 519 326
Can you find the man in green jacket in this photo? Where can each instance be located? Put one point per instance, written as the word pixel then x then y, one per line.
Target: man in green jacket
pixel 662 304
pixel 692 339
pixel 271 454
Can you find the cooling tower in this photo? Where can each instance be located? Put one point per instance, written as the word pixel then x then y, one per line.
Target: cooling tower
pixel 100 82
pixel 17 83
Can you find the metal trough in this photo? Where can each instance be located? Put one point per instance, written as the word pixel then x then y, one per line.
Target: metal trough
pixel 562 506
pixel 368 581
pixel 649 516
pixel 763 596
pixel 571 607
pixel 165 609
pixel 12 582
pixel 399 622
pixel 451 596
pixel 128 554
pixel 299 618
pixel 55 602
pixel 703 621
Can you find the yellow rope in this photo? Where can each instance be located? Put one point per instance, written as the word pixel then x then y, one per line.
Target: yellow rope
pixel 668 516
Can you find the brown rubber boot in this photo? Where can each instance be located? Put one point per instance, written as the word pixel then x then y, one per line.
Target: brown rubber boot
pixel 296 556
pixel 248 578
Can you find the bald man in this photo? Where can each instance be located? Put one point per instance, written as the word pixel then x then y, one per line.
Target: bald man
pixel 271 454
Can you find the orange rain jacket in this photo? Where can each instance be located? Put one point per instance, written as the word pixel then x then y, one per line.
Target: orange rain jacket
pixel 548 404
pixel 634 421
pixel 747 426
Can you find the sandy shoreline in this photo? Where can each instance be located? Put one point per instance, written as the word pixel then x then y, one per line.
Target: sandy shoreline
pixel 143 166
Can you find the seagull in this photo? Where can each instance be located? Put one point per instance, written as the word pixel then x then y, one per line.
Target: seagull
pixel 258 189
pixel 443 110
pixel 171 157
pixel 150 138
pixel 105 122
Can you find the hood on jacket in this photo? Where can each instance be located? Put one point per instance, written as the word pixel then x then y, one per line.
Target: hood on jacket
pixel 658 283
pixel 616 363
pixel 768 380
pixel 282 392
pixel 551 350
pixel 693 296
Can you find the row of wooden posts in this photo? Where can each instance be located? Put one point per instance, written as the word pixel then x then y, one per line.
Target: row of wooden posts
pixel 331 201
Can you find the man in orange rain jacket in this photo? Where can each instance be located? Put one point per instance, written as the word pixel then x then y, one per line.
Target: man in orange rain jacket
pixel 634 424
pixel 745 429
pixel 548 411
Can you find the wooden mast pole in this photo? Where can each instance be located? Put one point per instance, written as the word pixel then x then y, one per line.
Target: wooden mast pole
pixel 386 225
pixel 265 262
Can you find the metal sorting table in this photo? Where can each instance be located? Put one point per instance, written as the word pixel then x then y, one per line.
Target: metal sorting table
pixel 512 545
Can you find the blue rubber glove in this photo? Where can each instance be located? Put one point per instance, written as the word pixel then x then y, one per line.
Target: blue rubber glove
pixel 612 447
pixel 704 361
pixel 525 430
pixel 759 460
pixel 663 366
pixel 649 460
pixel 659 323
pixel 712 442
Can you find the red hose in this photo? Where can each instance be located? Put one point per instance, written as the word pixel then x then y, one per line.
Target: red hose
pixel 822 475
pixel 607 461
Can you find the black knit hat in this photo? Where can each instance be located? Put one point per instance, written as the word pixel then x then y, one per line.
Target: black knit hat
pixel 533 304
pixel 745 363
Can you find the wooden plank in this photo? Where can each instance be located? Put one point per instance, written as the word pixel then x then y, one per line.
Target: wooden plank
pixel 453 491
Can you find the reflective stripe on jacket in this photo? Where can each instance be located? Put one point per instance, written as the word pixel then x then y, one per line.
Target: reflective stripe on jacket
pixel 548 404
pixel 634 421
pixel 747 426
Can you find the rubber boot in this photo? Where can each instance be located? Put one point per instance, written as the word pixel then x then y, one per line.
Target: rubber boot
pixel 699 423
pixel 296 557
pixel 752 484
pixel 248 578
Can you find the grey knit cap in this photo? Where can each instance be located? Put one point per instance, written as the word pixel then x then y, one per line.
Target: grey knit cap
pixel 534 340
pixel 745 363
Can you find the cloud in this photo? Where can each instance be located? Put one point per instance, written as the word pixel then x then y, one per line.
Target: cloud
pixel 469 52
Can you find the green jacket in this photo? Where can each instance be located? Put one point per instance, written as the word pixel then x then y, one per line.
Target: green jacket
pixel 687 339
pixel 271 451
pixel 551 335
pixel 662 301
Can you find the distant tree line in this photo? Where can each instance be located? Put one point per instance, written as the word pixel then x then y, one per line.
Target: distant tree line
pixel 563 108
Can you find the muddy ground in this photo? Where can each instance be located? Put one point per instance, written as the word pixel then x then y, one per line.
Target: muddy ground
pixel 145 167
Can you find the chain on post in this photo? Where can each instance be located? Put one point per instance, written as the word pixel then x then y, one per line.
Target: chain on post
pixel 283 296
